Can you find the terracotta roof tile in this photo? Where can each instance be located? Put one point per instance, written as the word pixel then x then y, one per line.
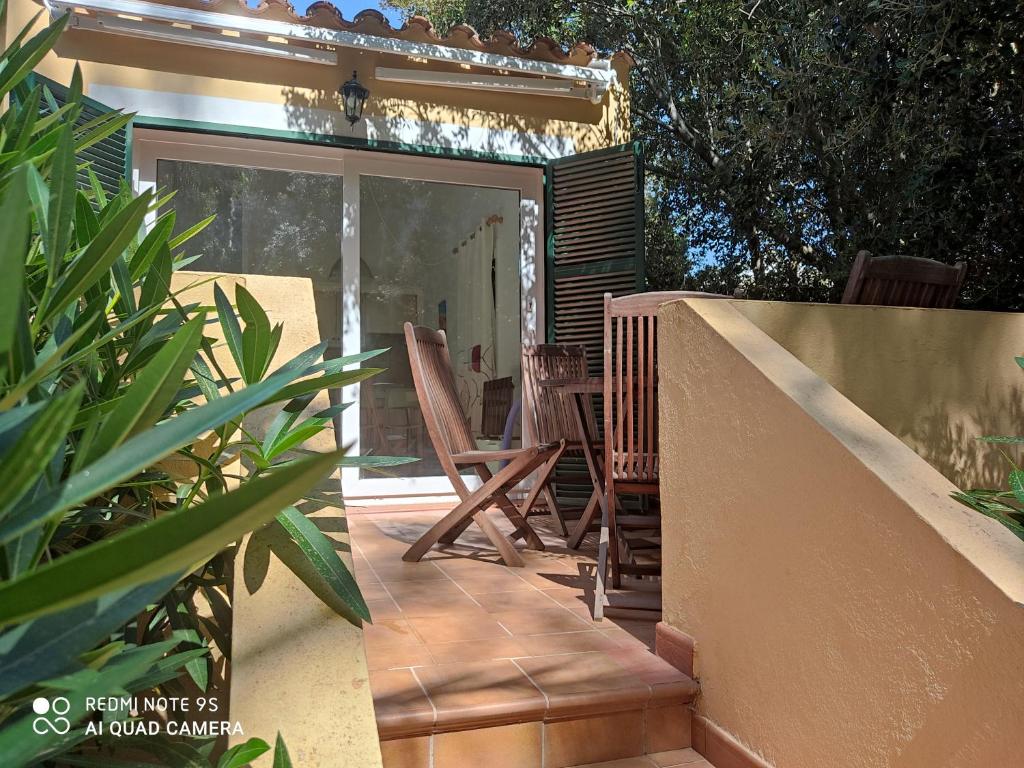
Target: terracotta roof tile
pixel 417 29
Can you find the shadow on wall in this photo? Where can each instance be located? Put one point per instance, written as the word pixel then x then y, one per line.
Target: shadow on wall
pixel 425 123
pixel 951 445
pixel 937 379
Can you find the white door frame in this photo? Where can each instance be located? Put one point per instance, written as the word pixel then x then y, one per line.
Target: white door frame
pixel 150 145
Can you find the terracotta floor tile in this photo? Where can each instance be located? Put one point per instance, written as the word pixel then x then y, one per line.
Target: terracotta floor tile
pixel 455 628
pixel 517 600
pixel 397 570
pixel 621 637
pixel 383 609
pixel 675 757
pixel 584 683
pixel 406 753
pixel 477 650
pixel 455 605
pixel 668 728
pixel 626 762
pixel 480 692
pixel 566 642
pixel 430 589
pixel 391 631
pixel 373 591
pixel 543 621
pixel 593 739
pixel 380 656
pixel 401 706
pixel 506 746
pixel 483 584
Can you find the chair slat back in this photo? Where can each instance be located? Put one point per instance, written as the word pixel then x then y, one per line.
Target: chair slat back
pixel 434 378
pixel 497 403
pixel 903 281
pixel 631 383
pixel 549 412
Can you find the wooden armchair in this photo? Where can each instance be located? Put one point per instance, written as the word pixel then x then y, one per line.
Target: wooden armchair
pixel 453 441
pixel 903 281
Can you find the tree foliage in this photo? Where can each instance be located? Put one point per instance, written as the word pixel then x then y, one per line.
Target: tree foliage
pixel 783 137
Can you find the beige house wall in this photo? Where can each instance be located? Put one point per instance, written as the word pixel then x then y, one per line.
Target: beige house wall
pixel 308 92
pixel 845 610
pixel 297 665
pixel 937 379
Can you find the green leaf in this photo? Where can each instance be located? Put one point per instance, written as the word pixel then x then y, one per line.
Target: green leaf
pixel 144 450
pixel 19 745
pixel 297 436
pixel 191 232
pixel 281 758
pixel 1003 439
pixel 330 381
pixel 229 322
pixel 50 646
pixel 24 60
pixel 154 240
pixel 320 552
pixel 14 223
pixel 29 458
pixel 1017 484
pixel 148 397
pixel 258 345
pixel 96 259
pixel 170 544
pixel 61 211
pixel 243 754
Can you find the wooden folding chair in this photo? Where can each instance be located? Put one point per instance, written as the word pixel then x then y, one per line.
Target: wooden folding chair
pixel 550 416
pixel 453 441
pixel 631 459
pixel 498 394
pixel 903 281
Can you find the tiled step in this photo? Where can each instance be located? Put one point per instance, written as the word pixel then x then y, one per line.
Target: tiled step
pixel 475 664
pixel 681 758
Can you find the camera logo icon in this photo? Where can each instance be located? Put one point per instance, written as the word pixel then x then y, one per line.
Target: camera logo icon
pixel 51 715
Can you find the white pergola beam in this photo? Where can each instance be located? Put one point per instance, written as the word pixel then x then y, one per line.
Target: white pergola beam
pixel 525 85
pixel 199 38
pixel 599 76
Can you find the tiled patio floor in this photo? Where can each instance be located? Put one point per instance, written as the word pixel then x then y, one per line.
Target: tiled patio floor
pixel 460 641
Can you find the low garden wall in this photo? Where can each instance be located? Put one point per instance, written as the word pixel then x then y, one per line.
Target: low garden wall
pixel 844 609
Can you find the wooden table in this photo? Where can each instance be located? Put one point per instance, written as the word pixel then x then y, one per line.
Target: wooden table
pixel 580 390
pixel 624 606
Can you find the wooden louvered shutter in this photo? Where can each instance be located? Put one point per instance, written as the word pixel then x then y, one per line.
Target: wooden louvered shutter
pixel 595 243
pixel 111 158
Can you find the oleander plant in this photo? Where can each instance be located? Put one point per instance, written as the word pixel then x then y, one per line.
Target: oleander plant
pixel 129 473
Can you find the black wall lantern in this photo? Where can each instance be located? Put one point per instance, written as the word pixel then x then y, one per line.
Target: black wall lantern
pixel 354 97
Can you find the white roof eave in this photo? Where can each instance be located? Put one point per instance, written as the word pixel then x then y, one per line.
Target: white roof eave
pixel 597 77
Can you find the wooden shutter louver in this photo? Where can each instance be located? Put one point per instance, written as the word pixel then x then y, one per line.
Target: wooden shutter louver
pixel 595 241
pixel 109 159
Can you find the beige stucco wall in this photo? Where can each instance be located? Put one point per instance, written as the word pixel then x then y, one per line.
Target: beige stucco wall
pixel 846 612
pixel 297 666
pixel 937 379
pixel 304 90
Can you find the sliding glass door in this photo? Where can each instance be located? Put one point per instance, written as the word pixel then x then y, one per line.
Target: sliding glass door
pixel 384 240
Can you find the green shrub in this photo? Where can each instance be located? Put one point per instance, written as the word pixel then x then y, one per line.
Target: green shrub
pixel 104 375
pixel 1006 506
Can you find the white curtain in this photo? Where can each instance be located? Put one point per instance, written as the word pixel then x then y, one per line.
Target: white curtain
pixel 474 310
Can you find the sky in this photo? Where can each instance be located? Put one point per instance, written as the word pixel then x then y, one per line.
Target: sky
pixel 350 8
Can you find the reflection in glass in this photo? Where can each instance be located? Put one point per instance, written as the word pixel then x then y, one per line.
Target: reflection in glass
pixel 268 223
pixel 445 256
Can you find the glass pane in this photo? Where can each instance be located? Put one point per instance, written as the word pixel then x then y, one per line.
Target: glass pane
pixel 445 256
pixel 268 223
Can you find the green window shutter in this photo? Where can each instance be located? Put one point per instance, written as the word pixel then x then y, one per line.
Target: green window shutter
pixel 595 241
pixel 111 158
